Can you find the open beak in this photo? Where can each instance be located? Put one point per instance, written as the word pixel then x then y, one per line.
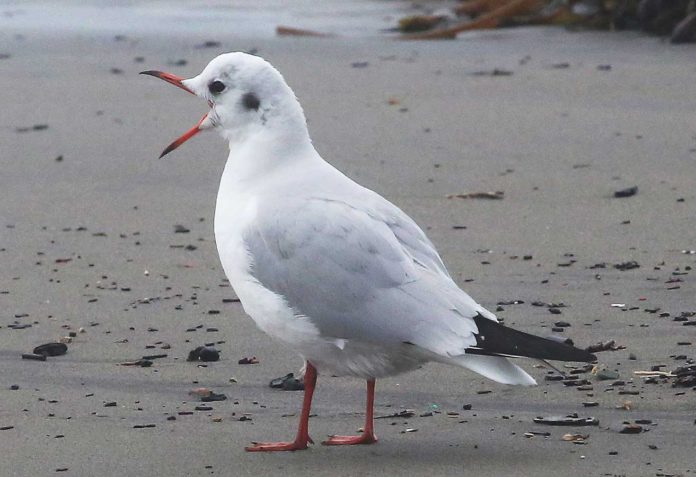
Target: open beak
pixel 169 78
pixel 204 123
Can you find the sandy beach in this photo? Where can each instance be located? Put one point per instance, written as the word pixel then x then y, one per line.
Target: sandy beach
pixel 557 121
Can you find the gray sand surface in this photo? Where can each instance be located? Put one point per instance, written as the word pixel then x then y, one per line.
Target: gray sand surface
pixel 558 136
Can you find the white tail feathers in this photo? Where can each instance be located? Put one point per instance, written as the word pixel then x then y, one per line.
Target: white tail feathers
pixel 497 368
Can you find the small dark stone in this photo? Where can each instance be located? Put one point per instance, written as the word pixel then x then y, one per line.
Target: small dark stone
pixel 555 311
pixel 110 404
pixel 209 354
pixel 14 387
pixel 493 72
pixel 204 353
pixel 194 354
pixel 570 420
pixel 180 229
pixel 628 192
pixel 246 360
pixel 630 265
pixel 203 408
pixel 213 397
pixel 631 429
pixel 209 44
pixel 51 349
pixel 467 407
pixel 277 383
pixel 35 357
pixel 293 384
pixel 360 64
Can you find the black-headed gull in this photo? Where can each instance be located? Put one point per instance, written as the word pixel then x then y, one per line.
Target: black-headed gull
pixel 328 267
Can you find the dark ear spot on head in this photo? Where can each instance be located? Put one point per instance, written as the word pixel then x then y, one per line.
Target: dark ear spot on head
pixel 251 101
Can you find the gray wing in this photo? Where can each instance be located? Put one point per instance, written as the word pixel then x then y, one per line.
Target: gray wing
pixel 367 275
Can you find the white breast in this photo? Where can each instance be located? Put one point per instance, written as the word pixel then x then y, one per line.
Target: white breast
pixel 235 211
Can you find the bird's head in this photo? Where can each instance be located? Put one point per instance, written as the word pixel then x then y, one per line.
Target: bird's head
pixel 246 94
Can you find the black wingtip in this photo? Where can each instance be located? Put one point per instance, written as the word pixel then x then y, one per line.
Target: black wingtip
pixel 496 339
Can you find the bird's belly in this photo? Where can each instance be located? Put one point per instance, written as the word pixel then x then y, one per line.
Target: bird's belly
pixel 328 354
pixel 362 359
pixel 275 317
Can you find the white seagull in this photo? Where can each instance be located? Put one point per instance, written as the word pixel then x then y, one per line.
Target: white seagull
pixel 330 268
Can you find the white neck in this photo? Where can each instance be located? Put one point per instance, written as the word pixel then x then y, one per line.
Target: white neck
pixel 269 151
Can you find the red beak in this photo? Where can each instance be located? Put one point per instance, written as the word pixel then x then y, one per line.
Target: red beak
pixel 184 137
pixel 169 78
pixel 176 81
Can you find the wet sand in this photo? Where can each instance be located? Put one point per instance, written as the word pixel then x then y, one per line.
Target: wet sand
pixel 89 241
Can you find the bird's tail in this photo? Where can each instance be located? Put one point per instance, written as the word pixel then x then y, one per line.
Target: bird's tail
pixel 494 339
pixel 496 343
pixel 497 368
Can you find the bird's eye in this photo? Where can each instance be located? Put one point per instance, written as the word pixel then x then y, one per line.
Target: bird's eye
pixel 216 87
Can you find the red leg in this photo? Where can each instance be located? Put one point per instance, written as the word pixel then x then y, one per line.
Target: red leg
pixel 368 435
pixel 302 438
